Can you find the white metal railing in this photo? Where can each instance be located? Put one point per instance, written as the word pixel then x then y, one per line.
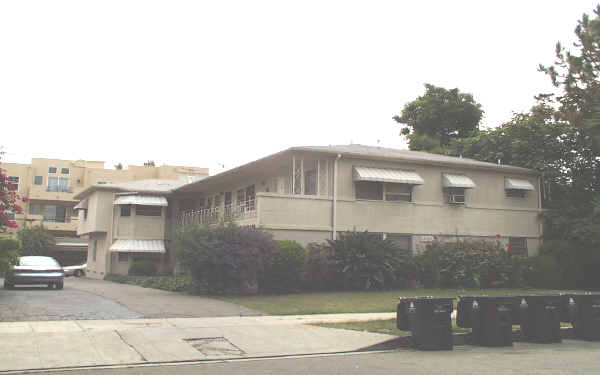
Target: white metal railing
pixel 213 215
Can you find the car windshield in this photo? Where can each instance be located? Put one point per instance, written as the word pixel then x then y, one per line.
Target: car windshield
pixel 38 261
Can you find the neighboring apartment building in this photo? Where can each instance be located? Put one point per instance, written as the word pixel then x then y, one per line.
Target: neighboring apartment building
pixel 309 194
pixel 51 184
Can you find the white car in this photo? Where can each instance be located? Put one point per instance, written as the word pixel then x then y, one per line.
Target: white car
pixel 78 270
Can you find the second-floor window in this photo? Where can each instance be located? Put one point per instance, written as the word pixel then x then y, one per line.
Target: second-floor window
pixel 38 180
pixel 13 183
pixel 369 190
pixel 58 184
pixel 55 213
pixel 148 210
pixel 125 210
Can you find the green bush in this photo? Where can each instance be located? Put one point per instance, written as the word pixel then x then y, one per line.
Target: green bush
pixel 321 272
pixel 9 252
pixel 169 283
pixel 285 272
pixel 544 272
pixel 144 267
pixel 227 258
pixel 468 264
pixel 365 261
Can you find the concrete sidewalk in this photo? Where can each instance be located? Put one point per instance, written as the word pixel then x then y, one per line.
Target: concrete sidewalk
pixel 37 345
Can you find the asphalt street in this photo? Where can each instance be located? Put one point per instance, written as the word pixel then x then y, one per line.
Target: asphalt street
pixel 570 357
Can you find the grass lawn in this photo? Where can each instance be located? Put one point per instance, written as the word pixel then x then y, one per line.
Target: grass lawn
pixel 387 326
pixel 358 302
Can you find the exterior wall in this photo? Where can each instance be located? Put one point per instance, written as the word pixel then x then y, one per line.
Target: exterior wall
pixel 100 206
pixel 97 268
pixel 139 227
pixel 303 237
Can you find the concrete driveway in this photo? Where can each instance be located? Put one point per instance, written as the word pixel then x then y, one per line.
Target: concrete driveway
pixel 89 299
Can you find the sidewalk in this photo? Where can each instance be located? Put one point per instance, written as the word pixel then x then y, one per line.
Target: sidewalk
pixel 37 345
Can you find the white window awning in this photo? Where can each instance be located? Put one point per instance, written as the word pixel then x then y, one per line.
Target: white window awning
pixel 139 246
pixel 516 184
pixel 144 200
pixel 457 181
pixel 83 205
pixel 396 176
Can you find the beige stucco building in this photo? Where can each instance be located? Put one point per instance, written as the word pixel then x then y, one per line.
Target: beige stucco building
pixel 51 184
pixel 309 194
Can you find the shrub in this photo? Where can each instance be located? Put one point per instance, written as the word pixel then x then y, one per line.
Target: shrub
pixel 321 272
pixel 285 272
pixel 144 267
pixel 365 261
pixel 169 283
pixel 227 258
pixel 9 252
pixel 468 264
pixel 543 271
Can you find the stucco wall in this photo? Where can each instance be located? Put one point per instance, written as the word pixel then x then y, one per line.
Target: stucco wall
pixel 97 267
pixel 100 206
pixel 139 227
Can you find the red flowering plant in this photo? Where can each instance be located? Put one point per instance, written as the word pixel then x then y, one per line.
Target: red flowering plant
pixel 8 201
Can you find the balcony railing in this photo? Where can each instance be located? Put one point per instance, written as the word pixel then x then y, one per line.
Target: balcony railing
pixel 231 212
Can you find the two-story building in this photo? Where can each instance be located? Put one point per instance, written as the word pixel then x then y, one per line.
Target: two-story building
pixel 309 194
pixel 51 184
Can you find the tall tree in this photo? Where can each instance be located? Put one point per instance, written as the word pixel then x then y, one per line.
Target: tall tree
pixel 8 201
pixel 36 240
pixel 577 74
pixel 437 117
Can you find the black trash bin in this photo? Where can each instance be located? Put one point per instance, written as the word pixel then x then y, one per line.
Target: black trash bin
pixel 540 318
pixel 429 321
pixel 464 309
pixel 584 314
pixel 491 319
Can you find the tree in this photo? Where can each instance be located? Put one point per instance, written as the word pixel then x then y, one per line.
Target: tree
pixel 9 251
pixel 8 201
pixel 440 115
pixel 578 76
pixel 36 240
pixel 119 166
pixel 149 163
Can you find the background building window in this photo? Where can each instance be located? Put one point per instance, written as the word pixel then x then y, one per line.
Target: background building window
pixel 10 215
pixel 13 183
pixel 369 190
pixel 148 210
pixel 64 170
pixel 38 180
pixel 55 213
pixel 58 184
pixel 125 210
pixel 35 209
pixel 52 170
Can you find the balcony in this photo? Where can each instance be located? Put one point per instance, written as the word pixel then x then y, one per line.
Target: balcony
pixel 236 213
pixel 52 193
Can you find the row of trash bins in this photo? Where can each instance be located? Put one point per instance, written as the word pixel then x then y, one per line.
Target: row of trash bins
pixel 491 318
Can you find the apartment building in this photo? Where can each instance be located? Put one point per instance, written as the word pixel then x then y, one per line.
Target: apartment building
pixel 310 194
pixel 51 184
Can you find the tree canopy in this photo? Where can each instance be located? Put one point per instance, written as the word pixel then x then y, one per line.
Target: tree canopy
pixel 36 240
pixel 8 201
pixel 438 116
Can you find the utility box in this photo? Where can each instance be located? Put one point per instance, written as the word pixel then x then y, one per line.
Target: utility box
pixel 429 321
pixel 583 312
pixel 490 318
pixel 540 317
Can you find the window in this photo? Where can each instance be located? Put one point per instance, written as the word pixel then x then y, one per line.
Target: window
pixel 35 209
pixel 10 215
pixel 310 182
pixel 398 192
pixel 85 214
pixel 94 249
pixel 148 210
pixel 58 184
pixel 101 182
pixel 455 195
pixel 369 190
pixel 125 210
pixel 517 245
pixel 13 183
pixel 250 198
pixel 38 180
pixel 241 197
pixel 57 214
pixel 64 170
pixel 123 257
pixel 516 193
pixel 52 170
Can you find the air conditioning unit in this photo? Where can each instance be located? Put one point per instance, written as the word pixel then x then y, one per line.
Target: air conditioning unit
pixel 456 199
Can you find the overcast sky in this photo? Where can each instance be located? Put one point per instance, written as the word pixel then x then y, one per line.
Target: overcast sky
pixel 216 83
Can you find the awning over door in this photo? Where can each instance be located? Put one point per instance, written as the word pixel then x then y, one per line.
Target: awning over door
pixel 397 176
pixel 516 184
pixel 139 246
pixel 144 200
pixel 457 181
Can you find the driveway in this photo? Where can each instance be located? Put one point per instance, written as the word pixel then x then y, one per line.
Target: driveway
pixel 85 299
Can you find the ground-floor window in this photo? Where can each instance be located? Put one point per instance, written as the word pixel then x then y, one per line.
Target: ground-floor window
pixel 123 257
pixel 517 245
pixel 403 241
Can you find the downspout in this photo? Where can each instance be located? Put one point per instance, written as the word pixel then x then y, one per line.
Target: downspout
pixel 334 206
pixel 541 222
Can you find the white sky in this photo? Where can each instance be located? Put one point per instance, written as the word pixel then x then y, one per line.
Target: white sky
pixel 203 83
